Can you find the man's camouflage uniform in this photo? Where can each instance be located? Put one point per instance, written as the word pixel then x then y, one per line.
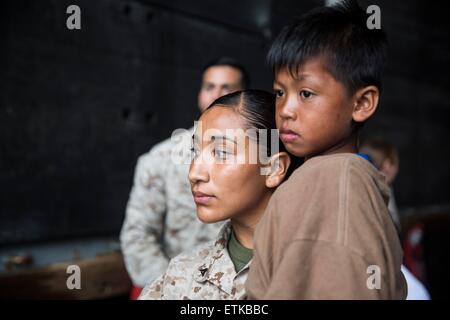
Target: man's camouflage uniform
pixel 161 219
pixel 205 273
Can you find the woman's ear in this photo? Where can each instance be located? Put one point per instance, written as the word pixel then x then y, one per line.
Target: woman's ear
pixel 279 165
pixel 366 103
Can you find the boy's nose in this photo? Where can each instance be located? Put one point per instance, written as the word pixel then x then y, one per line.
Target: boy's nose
pixel 286 110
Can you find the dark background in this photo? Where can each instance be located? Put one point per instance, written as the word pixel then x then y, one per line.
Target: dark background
pixel 78 107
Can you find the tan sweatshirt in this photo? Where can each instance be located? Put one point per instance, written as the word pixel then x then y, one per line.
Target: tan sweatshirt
pixel 327 234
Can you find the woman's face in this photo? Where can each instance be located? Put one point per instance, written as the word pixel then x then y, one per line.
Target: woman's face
pixel 225 183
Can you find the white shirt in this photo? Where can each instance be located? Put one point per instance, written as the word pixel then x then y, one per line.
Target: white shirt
pixel 416 290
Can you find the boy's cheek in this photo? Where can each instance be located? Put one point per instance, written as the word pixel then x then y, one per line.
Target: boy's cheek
pixel 297 149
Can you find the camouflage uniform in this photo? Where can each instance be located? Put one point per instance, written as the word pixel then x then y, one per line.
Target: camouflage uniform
pixel 205 273
pixel 161 218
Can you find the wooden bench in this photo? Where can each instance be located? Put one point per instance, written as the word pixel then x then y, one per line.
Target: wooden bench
pixel 103 277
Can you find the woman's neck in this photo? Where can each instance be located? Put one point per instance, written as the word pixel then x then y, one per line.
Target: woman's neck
pixel 243 233
pixel 244 226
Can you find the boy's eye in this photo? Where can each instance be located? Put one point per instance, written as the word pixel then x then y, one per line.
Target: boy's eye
pixel 278 93
pixel 306 94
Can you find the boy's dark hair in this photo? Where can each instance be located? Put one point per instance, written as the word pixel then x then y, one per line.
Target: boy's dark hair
pixel 227 61
pixel 353 54
pixel 257 107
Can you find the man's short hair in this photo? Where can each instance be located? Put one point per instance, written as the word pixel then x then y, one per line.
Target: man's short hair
pixel 230 62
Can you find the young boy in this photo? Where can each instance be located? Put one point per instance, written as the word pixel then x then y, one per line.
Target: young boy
pixel 327 233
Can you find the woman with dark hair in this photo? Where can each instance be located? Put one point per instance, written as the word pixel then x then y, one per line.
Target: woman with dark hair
pixel 236 167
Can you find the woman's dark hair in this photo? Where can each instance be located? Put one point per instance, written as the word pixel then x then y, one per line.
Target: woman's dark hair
pixel 257 107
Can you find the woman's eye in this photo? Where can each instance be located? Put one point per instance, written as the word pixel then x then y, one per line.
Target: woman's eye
pixel 278 93
pixel 194 152
pixel 221 154
pixel 306 94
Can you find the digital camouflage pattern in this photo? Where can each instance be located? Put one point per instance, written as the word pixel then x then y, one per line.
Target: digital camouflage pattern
pixel 206 273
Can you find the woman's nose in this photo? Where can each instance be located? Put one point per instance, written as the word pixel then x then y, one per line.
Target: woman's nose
pixel 198 171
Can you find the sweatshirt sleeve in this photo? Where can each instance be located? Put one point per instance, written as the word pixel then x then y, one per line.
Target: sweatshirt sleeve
pixel 322 270
pixel 259 275
pixel 327 234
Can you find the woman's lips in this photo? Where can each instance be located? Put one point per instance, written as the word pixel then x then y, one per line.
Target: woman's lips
pixel 202 198
pixel 288 136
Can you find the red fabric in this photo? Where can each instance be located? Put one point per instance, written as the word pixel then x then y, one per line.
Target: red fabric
pixel 413 252
pixel 135 292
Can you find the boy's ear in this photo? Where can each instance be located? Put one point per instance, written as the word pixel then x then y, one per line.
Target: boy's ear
pixel 279 165
pixel 366 103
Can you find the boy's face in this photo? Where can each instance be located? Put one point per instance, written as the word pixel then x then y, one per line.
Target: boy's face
pixel 313 111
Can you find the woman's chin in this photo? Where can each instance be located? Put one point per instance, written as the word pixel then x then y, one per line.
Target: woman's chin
pixel 208 217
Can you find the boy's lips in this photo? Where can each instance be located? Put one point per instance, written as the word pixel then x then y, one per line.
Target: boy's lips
pixel 202 198
pixel 287 135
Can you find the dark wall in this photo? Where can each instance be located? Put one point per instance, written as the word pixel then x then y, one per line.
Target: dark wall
pixel 78 107
pixel 415 105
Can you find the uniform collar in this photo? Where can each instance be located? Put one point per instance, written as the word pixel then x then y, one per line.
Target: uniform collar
pixel 217 264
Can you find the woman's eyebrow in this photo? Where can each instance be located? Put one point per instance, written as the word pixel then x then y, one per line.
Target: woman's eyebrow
pixel 221 138
pixel 196 139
